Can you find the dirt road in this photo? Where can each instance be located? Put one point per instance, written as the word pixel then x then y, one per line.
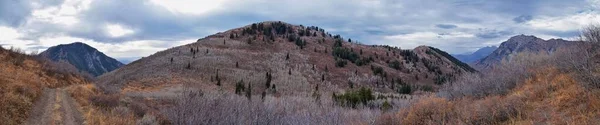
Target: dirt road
pixel 55 107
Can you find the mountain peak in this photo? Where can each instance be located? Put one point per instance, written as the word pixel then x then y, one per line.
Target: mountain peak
pixel 522 43
pixel 84 57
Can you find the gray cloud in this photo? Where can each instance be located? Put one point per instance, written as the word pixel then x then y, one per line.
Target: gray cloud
pixel 490 22
pixel 14 12
pixel 446 26
pixel 522 18
pixel 489 34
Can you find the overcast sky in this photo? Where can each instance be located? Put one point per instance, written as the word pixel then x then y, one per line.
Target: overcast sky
pixel 130 29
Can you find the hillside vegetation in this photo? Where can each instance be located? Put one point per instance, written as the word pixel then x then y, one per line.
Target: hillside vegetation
pixel 296 59
pixel 531 88
pixel 22 80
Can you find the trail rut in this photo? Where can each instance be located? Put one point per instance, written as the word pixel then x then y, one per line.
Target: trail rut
pixel 55 107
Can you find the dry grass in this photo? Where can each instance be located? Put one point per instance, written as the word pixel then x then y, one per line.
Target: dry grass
pixel 98 112
pixel 548 97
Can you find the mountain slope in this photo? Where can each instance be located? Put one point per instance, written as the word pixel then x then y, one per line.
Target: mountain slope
pixel 83 57
pixel 280 58
pixel 522 43
pixel 479 54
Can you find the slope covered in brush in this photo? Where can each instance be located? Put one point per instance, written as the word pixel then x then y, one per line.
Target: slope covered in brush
pixel 280 58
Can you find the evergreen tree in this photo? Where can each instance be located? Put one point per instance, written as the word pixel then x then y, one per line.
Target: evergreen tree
pixel 263 95
pixel 249 91
pixel 239 87
pixel 361 52
pixel 269 78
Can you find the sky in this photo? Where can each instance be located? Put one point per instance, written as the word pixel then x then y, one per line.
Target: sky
pixel 130 29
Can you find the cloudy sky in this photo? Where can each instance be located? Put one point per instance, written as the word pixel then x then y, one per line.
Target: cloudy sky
pixel 130 29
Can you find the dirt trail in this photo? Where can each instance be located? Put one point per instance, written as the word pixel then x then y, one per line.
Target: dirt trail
pixel 55 107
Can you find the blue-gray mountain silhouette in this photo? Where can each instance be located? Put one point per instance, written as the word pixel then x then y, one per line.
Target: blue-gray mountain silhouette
pixel 84 57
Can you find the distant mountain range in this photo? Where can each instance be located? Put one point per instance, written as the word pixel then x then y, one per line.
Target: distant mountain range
pixel 84 57
pixel 479 54
pixel 294 58
pixel 521 43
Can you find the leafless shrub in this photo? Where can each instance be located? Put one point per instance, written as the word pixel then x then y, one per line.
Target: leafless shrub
pixel 591 33
pixel 499 80
pixel 228 108
pixel 18 56
pixel 105 101
pixel 148 120
pixel 139 109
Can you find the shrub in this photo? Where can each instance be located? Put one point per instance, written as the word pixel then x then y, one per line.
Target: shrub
pixel 340 63
pixel 105 101
pixel 409 55
pixel 395 64
pixel 386 106
pixel 405 89
pixel 377 70
pixel 239 87
pixel 345 53
pixel 354 98
pixel 430 110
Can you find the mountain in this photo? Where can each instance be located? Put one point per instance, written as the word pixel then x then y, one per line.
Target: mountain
pixel 84 57
pixel 521 43
pixel 287 59
pixel 479 54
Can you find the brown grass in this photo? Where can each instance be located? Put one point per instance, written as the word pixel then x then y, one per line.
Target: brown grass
pixel 549 97
pixel 99 109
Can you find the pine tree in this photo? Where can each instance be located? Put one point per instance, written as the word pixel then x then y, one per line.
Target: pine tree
pixel 322 77
pixel 237 65
pixel 263 95
pixel 269 78
pixel 249 91
pixel 239 87
pixel 290 72
pixel 231 36
pixel 218 79
pixel 287 56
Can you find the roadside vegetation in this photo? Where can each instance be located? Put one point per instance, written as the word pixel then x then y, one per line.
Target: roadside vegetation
pixel 23 77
